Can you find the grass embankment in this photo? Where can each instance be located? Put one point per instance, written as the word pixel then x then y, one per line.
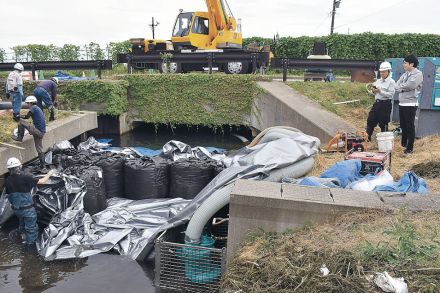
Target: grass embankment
pixel 7 125
pixel 356 114
pixel 354 248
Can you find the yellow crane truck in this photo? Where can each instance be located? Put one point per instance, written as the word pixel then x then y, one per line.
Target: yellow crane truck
pixel 194 35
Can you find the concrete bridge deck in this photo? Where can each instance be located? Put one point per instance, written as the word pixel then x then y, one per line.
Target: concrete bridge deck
pixel 63 129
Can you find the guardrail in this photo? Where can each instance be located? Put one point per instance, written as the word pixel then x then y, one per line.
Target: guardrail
pixel 288 63
pixel 61 65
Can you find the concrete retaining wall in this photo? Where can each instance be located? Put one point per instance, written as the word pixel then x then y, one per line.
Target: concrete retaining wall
pixel 276 207
pixel 281 105
pixel 62 129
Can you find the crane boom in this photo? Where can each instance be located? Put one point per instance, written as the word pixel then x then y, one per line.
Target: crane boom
pixel 219 9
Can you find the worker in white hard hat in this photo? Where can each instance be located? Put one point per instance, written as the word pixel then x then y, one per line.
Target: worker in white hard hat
pixel 37 128
pixel 14 89
pixel 383 90
pixel 46 94
pixel 18 190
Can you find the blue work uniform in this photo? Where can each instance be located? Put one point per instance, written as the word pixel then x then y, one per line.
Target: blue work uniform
pixel 18 189
pixel 45 92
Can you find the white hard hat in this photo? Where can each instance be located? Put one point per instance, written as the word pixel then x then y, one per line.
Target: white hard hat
pixel 12 163
pixel 54 79
pixel 385 66
pixel 31 99
pixel 19 66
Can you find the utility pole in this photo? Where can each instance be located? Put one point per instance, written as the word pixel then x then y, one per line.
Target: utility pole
pixel 153 25
pixel 336 4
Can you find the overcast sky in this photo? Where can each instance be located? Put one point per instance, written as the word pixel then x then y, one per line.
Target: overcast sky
pixel 82 21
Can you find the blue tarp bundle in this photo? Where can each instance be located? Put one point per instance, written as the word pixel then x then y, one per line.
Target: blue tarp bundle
pixel 409 182
pixel 348 172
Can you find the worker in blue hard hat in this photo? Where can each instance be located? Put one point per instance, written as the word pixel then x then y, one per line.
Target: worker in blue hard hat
pixel 46 94
pixel 383 90
pixel 18 190
pixel 14 89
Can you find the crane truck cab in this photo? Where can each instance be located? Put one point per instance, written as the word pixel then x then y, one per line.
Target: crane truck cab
pixel 213 31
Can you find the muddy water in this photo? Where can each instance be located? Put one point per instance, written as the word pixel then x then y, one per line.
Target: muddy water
pixel 24 271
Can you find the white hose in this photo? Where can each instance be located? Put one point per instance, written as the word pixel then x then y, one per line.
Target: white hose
pixel 256 140
pixel 277 133
pixel 209 207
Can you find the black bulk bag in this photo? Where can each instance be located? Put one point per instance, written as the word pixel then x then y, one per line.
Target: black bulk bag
pixel 146 178
pixel 95 199
pixel 189 176
pixel 113 171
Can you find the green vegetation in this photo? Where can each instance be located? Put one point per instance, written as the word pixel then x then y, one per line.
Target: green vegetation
pixel 193 99
pixel 327 94
pixel 189 99
pixel 357 246
pixel 365 46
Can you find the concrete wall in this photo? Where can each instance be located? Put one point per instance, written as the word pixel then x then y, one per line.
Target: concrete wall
pixel 276 207
pixel 280 105
pixel 61 129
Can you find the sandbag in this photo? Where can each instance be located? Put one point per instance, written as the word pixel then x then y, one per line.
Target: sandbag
pixel 146 178
pixel 95 199
pixel 189 176
pixel 113 172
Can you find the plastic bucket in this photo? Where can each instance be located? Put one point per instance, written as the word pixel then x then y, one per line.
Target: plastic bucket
pixel 385 141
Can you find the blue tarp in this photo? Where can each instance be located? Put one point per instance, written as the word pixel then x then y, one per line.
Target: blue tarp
pixel 65 76
pixel 345 171
pixel 409 182
pixel 348 172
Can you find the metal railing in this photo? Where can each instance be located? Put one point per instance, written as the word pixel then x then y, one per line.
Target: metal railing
pixel 289 63
pixel 61 65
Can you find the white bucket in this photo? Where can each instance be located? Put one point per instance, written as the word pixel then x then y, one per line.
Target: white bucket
pixel 385 141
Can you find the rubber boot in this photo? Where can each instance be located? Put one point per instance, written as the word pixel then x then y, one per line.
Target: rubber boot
pixel 42 162
pixel 52 114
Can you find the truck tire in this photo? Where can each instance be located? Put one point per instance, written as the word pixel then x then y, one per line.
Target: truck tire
pixel 174 67
pixel 236 68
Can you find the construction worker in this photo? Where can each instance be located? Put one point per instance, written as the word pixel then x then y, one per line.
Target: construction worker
pixel 46 94
pixel 18 190
pixel 14 89
pixel 383 90
pixel 409 87
pixel 37 128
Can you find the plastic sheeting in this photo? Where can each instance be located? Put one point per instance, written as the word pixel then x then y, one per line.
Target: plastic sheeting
pixel 95 198
pixel 346 171
pixel 131 227
pixel 113 169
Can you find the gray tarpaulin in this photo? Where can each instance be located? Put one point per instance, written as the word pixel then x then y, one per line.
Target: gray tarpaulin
pixel 130 227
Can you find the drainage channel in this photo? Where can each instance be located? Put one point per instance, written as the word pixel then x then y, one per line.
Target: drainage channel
pixel 24 271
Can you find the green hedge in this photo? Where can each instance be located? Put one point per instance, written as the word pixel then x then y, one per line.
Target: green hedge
pixel 192 99
pixel 365 46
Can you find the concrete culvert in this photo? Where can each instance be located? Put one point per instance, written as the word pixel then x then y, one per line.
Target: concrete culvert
pixel 146 178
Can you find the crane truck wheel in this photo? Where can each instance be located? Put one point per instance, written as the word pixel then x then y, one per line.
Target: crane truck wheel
pixel 174 67
pixel 236 68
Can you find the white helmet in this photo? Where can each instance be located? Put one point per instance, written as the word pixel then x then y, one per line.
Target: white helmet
pixel 12 163
pixel 54 79
pixel 19 66
pixel 31 99
pixel 385 66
